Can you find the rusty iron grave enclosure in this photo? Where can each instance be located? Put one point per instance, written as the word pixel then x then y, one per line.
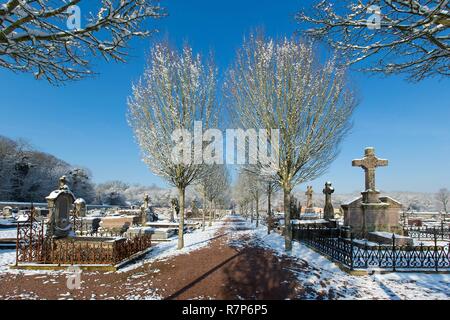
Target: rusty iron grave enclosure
pixel 35 249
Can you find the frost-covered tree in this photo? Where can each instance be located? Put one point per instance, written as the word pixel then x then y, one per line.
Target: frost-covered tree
pixel 217 185
pixel 394 36
pixel 112 193
pixel 254 184
pixel 282 85
pixel 241 193
pixel 270 186
pixel 176 90
pixel 443 198
pixel 79 181
pixel 52 39
pixel 30 175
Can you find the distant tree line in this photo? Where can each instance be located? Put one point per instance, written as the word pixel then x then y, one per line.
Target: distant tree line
pixel 30 175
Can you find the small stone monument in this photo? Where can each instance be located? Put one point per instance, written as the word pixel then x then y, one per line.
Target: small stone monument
pixel 144 210
pixel 328 210
pixel 175 209
pixel 80 207
pixel 309 200
pixel 60 204
pixel 370 212
pixel 7 212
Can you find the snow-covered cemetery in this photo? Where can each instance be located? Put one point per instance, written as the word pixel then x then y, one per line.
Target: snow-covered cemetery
pixel 256 172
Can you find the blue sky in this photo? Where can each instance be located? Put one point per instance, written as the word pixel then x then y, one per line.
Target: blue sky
pixel 84 122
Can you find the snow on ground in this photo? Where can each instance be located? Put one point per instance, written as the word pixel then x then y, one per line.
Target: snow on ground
pixel 325 278
pixel 7 257
pixel 8 233
pixel 192 241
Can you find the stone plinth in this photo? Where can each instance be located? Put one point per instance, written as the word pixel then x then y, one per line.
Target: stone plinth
pixel 368 217
pixel 115 222
pixel 164 233
pixel 137 231
pixel 387 238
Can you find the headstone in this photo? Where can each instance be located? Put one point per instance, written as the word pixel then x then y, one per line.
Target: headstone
pixel 309 201
pixel 144 210
pixel 370 212
pixel 7 212
pixel 175 209
pixel 60 203
pixel 80 207
pixel 328 210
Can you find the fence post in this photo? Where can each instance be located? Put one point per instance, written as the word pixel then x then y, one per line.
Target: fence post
pixel 17 244
pixel 436 258
pixel 393 251
pixel 351 251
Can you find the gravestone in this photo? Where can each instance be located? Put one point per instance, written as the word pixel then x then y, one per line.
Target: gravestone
pixel 60 204
pixel 370 212
pixel 144 210
pixel 175 209
pixel 309 200
pixel 7 212
pixel 328 210
pixel 80 207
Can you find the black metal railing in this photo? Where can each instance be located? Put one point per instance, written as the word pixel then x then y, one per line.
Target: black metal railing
pixel 428 233
pixel 357 254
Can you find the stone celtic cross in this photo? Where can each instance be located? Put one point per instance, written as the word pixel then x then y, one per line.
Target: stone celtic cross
pixel 369 163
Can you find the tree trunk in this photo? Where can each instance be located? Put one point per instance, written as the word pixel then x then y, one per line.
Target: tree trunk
pixel 257 209
pixel 287 220
pixel 210 214
pixel 181 193
pixel 204 213
pixel 269 210
pixel 251 212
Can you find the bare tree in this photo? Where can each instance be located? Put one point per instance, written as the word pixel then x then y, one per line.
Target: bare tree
pixel 271 186
pixel 400 36
pixel 281 84
pixel 213 186
pixel 35 37
pixel 443 197
pixel 241 193
pixel 176 90
pixel 254 186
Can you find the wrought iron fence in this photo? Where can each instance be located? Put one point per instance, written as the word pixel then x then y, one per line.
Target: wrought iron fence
pixel 428 233
pixel 355 254
pixel 90 247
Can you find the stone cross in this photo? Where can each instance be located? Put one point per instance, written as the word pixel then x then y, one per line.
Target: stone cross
pixel 328 210
pixel 309 194
pixel 369 163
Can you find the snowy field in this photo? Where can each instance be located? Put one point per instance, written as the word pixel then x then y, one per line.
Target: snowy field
pixel 323 276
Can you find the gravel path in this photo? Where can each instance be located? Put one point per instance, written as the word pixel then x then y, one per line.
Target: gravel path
pixel 230 267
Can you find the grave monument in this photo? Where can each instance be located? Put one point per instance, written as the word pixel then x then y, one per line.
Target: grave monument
pixel 370 212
